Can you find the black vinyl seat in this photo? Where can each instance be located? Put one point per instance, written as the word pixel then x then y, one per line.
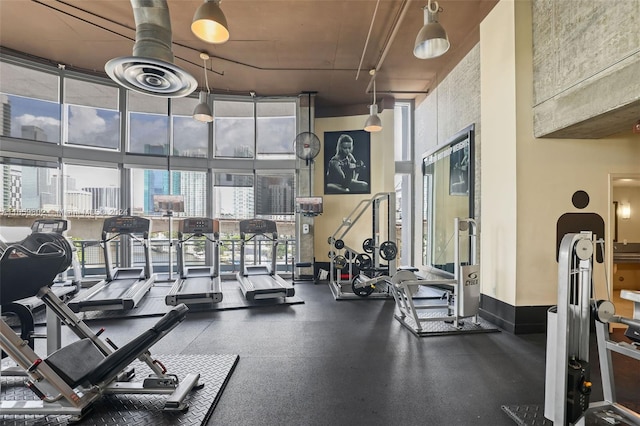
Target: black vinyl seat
pixel 81 362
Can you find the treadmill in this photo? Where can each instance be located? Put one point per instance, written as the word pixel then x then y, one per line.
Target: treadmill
pixel 261 281
pixel 123 288
pixel 197 285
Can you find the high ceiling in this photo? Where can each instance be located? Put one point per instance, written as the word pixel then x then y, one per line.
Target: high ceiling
pixel 276 47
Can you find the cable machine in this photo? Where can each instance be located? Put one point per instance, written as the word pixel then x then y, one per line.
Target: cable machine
pixel 568 368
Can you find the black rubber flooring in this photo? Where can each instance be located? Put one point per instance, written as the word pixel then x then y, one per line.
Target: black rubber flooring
pixel 328 362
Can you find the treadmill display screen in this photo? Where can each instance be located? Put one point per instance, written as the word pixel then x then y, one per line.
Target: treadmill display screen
pixel 257 226
pixel 199 225
pixel 49 225
pixel 126 225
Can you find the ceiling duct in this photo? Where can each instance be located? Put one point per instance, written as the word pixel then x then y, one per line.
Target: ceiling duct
pixel 151 70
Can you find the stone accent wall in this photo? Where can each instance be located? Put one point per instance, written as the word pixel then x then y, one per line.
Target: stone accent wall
pixel 586 63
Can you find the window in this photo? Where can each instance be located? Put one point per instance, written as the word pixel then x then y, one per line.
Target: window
pixel 30 190
pixel 148 124
pixel 276 129
pixel 233 196
pixel 402 131
pixel 275 195
pixel 154 193
pixel 48 178
pixel 190 137
pixel 234 129
pixel 92 115
pixel 404 167
pixel 404 235
pixel 29 104
pixel 91 190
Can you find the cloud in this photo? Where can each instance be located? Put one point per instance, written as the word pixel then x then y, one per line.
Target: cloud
pixel 49 125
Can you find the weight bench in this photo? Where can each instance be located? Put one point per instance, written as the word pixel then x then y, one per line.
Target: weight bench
pixel 72 378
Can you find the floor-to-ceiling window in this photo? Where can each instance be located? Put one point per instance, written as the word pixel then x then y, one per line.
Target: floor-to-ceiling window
pixel 83 148
pixel 403 136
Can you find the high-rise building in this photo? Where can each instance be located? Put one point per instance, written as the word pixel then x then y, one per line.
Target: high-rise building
pixel 11 187
pixel 193 186
pixel 33 133
pixel 274 195
pixel 5 115
pixel 156 182
pixel 80 202
pixel 243 202
pixel 105 200
pixel 39 188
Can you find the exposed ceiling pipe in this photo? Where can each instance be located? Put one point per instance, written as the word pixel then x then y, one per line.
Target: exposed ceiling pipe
pixel 394 32
pixel 151 70
pixel 364 50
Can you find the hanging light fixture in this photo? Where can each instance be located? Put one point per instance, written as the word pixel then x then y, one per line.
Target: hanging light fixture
pixel 432 40
pixel 373 123
pixel 203 110
pixel 209 23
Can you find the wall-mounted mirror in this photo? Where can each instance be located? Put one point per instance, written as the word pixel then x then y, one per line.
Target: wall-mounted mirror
pixel 448 185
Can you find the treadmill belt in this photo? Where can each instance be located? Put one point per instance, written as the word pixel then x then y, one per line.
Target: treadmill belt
pixel 153 304
pixel 112 291
pixel 196 285
pixel 264 282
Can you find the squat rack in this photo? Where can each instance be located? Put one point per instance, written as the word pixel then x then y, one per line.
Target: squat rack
pixel 341 288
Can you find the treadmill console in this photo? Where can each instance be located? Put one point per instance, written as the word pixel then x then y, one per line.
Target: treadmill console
pixel 57 226
pixel 126 225
pixel 257 226
pixel 199 226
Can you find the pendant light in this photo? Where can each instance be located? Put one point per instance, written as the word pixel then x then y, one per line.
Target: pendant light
pixel 432 40
pixel 203 110
pixel 373 123
pixel 209 23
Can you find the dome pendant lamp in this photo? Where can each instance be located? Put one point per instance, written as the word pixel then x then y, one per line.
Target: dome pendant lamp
pixel 209 23
pixel 202 112
pixel 373 123
pixel 432 40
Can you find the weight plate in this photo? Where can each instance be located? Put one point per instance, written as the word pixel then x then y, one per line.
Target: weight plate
pixel 330 240
pixel 388 250
pixel 331 254
pixel 358 289
pixel 605 310
pixel 363 261
pixel 339 244
pixel 340 262
pixel 368 245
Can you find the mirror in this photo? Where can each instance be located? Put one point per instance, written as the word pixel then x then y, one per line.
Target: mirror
pixel 448 189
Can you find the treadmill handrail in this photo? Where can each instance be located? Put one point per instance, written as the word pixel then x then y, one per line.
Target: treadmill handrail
pixel 182 269
pixel 126 225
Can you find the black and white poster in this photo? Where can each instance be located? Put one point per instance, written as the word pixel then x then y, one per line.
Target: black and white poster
pixel 347 160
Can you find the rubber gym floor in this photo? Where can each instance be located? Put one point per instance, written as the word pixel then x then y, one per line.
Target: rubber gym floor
pixel 328 362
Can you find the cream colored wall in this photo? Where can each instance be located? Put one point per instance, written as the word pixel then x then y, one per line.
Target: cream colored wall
pixel 337 207
pixel 527 183
pixel 498 200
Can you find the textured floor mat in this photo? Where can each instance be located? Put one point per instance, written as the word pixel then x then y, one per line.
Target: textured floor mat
pixel 214 370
